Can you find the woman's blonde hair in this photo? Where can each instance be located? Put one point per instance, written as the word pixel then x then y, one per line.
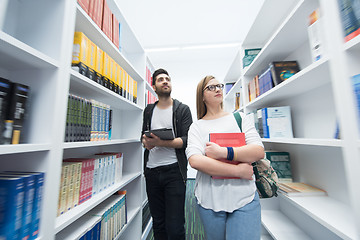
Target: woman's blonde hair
pixel 200 105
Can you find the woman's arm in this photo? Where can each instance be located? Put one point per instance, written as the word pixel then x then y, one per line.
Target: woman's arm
pixel 217 168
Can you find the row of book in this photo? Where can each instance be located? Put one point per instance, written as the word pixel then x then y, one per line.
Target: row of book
pixel 273 122
pixel 356 88
pixel 13 110
pixel 21 195
pixel 276 73
pixel 150 98
pixel 94 63
pixel 109 218
pixel 87 120
pixel 100 13
pixel 350 18
pixel 82 178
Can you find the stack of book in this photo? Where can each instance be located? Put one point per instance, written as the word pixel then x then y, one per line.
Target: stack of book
pixel 298 189
pixel 82 178
pixel 21 195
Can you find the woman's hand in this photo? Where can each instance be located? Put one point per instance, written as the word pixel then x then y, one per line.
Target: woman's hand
pixel 214 151
pixel 245 170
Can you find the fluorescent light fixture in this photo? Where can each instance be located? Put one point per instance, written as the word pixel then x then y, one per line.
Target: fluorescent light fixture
pixel 193 47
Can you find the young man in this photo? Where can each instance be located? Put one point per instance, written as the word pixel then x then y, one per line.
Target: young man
pixel 165 163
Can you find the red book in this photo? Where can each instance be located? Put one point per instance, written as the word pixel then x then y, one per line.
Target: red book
pixel 115 31
pixel 107 21
pixel 87 170
pixel 84 5
pixel 227 140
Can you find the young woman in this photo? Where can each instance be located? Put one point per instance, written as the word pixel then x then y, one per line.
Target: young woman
pixel 228 208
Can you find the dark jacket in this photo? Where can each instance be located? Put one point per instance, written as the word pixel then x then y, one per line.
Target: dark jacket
pixel 181 123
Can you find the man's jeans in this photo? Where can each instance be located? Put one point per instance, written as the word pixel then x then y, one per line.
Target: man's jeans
pixel 244 223
pixel 166 194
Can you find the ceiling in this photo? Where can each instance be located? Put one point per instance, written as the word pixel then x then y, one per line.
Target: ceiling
pixel 190 38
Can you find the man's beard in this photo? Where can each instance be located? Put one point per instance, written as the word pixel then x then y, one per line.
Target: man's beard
pixel 161 93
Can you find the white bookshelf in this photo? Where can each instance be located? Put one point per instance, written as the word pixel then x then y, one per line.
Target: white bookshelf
pixel 319 95
pixel 36 40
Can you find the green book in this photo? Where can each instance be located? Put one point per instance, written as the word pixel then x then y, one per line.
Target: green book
pixel 280 161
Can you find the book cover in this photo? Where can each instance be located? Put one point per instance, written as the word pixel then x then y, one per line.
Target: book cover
pixel 227 140
pixel 115 31
pixel 249 56
pixel 282 70
pixel 12 192
pixel 237 100
pixel 293 189
pixel 17 109
pixel 84 5
pixel 279 122
pixel 280 161
pixel 80 52
pixel 228 86
pixel 5 88
pixel 316 35
pixel 106 26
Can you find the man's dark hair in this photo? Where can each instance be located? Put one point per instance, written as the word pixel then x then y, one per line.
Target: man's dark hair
pixel 158 72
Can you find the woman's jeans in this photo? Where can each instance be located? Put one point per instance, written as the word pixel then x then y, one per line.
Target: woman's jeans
pixel 244 223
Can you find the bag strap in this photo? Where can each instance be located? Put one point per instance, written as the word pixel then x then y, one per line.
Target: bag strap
pixel 239 122
pixel 238 119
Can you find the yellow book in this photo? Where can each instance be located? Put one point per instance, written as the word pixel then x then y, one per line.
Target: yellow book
pixel 117 78
pixel 112 73
pixel 70 188
pixel 62 178
pixel 121 86
pixel 293 189
pixel 78 166
pixel 91 59
pixel 135 91
pixel 80 49
pixel 64 190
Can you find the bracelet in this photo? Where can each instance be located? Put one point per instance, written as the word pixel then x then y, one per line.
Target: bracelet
pixel 230 153
pixel 235 155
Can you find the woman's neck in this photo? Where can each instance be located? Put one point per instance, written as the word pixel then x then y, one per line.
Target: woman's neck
pixel 214 113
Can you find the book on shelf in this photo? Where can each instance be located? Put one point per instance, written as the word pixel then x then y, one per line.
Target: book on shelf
pixel 249 56
pixel 282 70
pixel 84 4
pixel 106 26
pixel 315 32
pixel 280 161
pixel 228 86
pixel 80 53
pixel 299 189
pixel 355 81
pixel 12 192
pixel 17 110
pixel 350 18
pixel 277 122
pixel 238 102
pixel 5 88
pixel 227 140
pixel 265 81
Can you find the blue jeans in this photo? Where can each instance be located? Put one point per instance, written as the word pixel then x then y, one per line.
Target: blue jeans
pixel 166 190
pixel 244 223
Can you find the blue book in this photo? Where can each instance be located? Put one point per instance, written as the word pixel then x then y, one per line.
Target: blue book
pixel 264 113
pixel 35 220
pixel 29 188
pixel 12 191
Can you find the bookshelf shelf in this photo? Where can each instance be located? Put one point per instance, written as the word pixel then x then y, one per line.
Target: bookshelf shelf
pixel 23 148
pixel 331 213
pixel 147 230
pixel 307 141
pixel 16 55
pixel 312 77
pixel 69 217
pixel 72 145
pixel 87 88
pixel 281 227
pixel 321 103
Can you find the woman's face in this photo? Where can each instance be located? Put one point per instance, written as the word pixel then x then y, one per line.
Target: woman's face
pixel 213 92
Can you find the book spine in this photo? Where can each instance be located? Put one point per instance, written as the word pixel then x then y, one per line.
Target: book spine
pixel 39 189
pixel 265 123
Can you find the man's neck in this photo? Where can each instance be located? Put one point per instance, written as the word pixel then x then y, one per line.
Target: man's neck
pixel 165 102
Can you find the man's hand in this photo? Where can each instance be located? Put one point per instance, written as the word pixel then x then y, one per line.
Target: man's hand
pixel 214 151
pixel 151 142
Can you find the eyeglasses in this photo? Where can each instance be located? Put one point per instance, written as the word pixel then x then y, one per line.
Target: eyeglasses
pixel 213 87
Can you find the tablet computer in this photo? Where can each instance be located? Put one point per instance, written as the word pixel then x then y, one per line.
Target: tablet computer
pixel 162 133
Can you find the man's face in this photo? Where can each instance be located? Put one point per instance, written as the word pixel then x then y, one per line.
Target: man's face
pixel 162 85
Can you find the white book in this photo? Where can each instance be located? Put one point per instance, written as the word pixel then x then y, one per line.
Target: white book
pixel 279 122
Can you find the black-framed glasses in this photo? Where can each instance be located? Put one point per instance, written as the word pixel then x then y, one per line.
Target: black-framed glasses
pixel 213 87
